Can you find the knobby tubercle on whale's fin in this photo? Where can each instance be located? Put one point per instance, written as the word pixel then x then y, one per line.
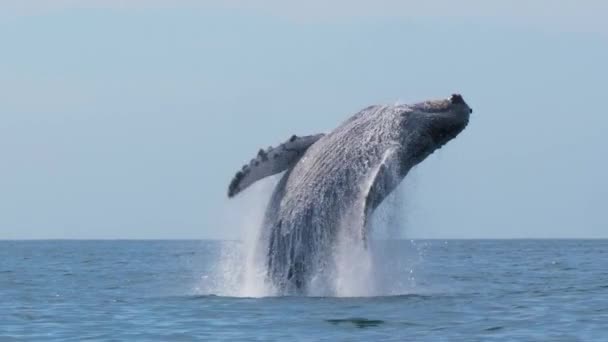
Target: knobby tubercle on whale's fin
pixel 271 161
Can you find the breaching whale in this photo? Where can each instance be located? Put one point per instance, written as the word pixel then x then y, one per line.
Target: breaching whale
pixel 347 172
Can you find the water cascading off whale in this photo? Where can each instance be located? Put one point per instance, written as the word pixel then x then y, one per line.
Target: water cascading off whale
pixel 346 173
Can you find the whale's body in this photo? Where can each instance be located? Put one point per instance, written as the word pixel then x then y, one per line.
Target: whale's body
pixel 334 182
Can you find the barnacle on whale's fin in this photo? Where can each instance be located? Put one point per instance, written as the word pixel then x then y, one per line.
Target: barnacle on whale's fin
pixel 271 161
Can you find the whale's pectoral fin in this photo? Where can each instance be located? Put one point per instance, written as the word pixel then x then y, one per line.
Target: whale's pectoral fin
pixel 386 178
pixel 271 161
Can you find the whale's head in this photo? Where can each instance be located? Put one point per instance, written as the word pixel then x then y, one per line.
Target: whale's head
pixel 431 124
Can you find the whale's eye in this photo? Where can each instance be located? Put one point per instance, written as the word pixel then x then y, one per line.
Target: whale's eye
pixel 456 99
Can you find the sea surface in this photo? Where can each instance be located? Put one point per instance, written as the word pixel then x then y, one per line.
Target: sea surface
pixel 453 290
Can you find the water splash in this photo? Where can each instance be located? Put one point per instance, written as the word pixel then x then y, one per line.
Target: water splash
pixel 356 269
pixel 376 268
pixel 239 267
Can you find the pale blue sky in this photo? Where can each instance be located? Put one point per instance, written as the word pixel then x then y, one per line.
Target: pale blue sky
pixel 128 119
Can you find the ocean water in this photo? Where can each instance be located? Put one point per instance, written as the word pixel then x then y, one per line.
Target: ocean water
pixel 432 290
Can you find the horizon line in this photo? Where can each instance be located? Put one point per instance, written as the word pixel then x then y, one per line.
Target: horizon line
pixel 221 240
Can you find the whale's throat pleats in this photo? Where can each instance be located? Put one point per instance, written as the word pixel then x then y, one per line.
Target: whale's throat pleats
pixel 271 161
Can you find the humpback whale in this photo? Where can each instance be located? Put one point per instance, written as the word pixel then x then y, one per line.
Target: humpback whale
pixel 345 173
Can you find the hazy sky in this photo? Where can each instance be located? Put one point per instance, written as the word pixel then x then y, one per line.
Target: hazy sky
pixel 127 119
